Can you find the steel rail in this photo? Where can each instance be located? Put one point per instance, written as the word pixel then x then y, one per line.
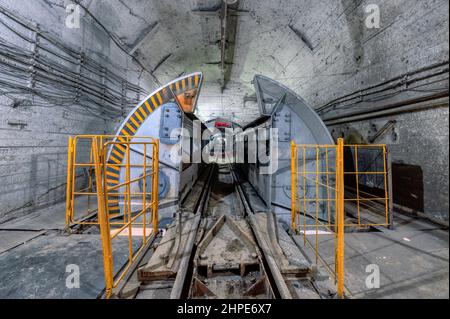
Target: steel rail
pixel 275 272
pixel 189 249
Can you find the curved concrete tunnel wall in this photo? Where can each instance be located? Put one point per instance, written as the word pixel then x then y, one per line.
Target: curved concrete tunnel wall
pixel 33 138
pixel 320 49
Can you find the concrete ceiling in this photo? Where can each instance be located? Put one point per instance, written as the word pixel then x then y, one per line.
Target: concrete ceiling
pixel 311 46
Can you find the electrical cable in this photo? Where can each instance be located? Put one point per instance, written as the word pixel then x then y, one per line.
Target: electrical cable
pixel 41 74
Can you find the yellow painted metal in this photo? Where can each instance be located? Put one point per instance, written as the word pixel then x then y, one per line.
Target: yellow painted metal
pixel 317 205
pixel 386 194
pixel 109 196
pixel 155 186
pixel 144 196
pixel 326 185
pixel 327 176
pixel 361 199
pixel 69 181
pixel 89 192
pixel 131 218
pixel 73 164
pixel 340 217
pixel 293 185
pixel 357 183
pixel 104 224
pixel 304 193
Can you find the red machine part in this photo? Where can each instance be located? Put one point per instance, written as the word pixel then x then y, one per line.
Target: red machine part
pixel 223 124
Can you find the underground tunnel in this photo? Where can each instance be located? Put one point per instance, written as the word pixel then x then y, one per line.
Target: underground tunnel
pixel 224 149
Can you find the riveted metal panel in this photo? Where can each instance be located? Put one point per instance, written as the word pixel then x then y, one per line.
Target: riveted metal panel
pixel 171 119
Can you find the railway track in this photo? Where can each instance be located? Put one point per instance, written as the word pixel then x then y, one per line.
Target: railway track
pixel 218 247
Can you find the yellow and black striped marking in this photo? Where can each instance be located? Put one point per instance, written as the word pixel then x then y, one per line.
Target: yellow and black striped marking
pixel 132 125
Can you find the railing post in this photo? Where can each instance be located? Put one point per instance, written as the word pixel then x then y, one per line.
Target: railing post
pixel 155 186
pixel 104 222
pixel 144 195
pixel 340 217
pixel 69 189
pixel 389 192
pixel 293 186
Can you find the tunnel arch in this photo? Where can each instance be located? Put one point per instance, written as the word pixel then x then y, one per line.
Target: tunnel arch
pixel 183 91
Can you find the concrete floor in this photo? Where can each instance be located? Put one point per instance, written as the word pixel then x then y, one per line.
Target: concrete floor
pixel 34 252
pixel 413 260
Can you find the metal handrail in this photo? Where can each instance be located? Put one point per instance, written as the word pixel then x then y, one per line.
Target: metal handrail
pixel 100 145
pixel 335 198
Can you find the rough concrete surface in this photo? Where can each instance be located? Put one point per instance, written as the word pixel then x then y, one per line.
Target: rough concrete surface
pixel 323 50
pixel 413 260
pixel 37 269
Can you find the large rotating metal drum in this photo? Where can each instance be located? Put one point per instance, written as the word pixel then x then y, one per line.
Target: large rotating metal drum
pixel 159 115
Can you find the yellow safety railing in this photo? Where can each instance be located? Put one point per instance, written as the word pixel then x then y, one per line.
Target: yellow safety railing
pixel 131 217
pixel 74 165
pixel 81 203
pixel 330 194
pixel 138 210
